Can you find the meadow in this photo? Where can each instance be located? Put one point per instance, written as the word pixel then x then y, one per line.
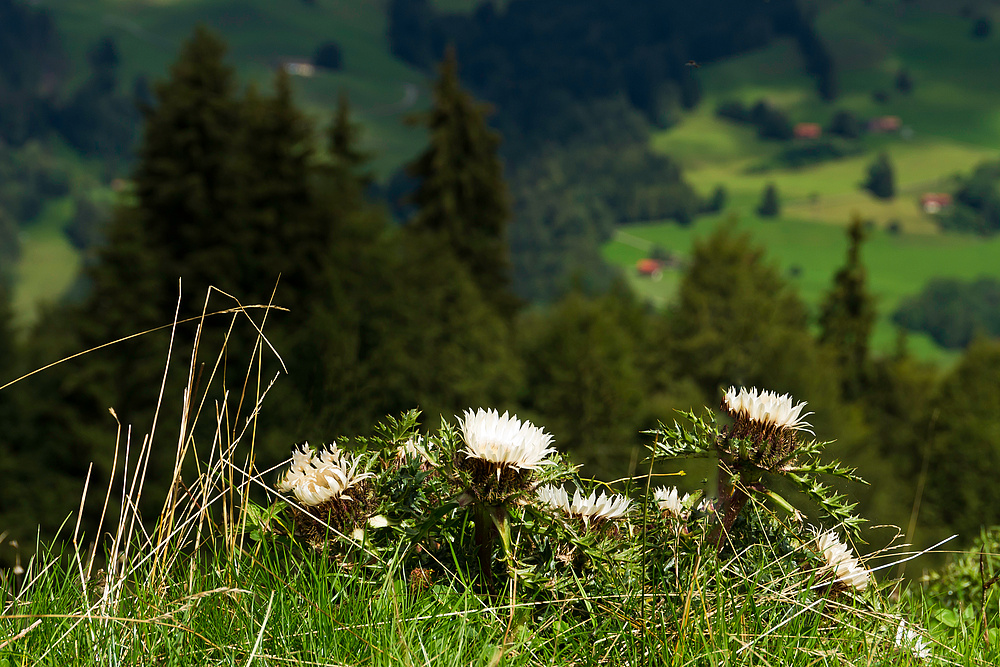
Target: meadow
pixel 245 564
pixel 952 121
pixel 952 115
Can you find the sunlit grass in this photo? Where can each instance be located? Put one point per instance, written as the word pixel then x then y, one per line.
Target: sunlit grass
pixel 48 264
pixel 808 255
pixel 211 586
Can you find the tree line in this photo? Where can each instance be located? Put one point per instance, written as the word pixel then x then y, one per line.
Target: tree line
pixel 233 189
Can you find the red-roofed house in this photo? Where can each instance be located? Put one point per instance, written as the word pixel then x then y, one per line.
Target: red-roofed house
pixel 933 202
pixel 651 268
pixel 808 131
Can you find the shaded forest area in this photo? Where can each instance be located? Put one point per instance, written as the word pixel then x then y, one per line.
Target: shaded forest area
pixel 43 112
pixel 578 87
pixel 232 190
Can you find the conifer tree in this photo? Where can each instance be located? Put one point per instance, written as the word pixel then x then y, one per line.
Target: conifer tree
pixel 277 232
pixel 462 196
pixel 769 206
pixel 737 322
pixel 848 315
pixel 187 185
pixel 343 138
pixel 961 490
pixel 881 180
pixel 583 378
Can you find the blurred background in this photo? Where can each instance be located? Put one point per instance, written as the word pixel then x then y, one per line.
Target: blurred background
pixel 590 213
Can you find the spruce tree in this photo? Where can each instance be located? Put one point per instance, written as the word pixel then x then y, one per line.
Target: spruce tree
pixel 186 183
pixel 343 138
pixel 848 315
pixel 881 180
pixel 462 196
pixel 276 232
pixel 737 322
pixel 583 378
pixel 961 490
pixel 769 206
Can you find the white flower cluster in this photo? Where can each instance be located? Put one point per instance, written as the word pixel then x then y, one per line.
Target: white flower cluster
pixel 670 500
pixel 587 508
pixel 316 478
pixel 505 440
pixel 912 641
pixel 841 561
pixel 767 407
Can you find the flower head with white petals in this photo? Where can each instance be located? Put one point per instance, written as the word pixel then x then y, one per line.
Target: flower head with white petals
pixel 841 562
pixel 766 420
pixel 505 440
pixel 316 478
pixel 671 502
pixel 589 508
pixel 501 452
pixel 766 408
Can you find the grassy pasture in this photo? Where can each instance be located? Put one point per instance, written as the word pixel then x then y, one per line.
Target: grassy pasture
pixel 260 35
pixel 809 255
pixel 953 113
pixel 49 263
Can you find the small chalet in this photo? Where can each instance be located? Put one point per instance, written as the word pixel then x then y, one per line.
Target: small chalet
pixel 884 124
pixel 650 268
pixel 934 202
pixel 808 131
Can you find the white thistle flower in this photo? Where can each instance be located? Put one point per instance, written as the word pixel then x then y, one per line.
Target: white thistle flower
pixel 669 500
pixel 505 440
pixel 841 561
pixel 912 641
pixel 415 447
pixel 316 478
pixel 767 408
pixel 587 508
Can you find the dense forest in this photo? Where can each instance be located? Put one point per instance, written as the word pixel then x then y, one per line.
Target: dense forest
pixel 539 60
pixel 231 190
pixel 578 86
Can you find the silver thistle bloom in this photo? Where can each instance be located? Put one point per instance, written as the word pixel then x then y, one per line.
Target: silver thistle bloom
pixel 315 478
pixel 670 501
pixel 590 507
pixel 505 440
pixel 841 562
pixel 767 408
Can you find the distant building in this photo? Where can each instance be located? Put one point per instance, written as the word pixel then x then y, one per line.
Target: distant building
pixel 934 202
pixel 884 124
pixel 808 131
pixel 650 268
pixel 299 68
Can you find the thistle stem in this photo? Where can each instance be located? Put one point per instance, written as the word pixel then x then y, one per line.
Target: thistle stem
pixel 733 498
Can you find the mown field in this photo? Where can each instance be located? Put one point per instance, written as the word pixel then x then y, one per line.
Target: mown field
pixel 953 121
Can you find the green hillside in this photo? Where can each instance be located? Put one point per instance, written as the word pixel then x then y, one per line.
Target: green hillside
pixel 260 35
pixel 952 117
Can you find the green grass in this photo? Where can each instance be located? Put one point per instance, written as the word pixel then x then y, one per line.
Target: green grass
pixel 953 111
pixel 898 265
pixel 217 584
pixel 48 263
